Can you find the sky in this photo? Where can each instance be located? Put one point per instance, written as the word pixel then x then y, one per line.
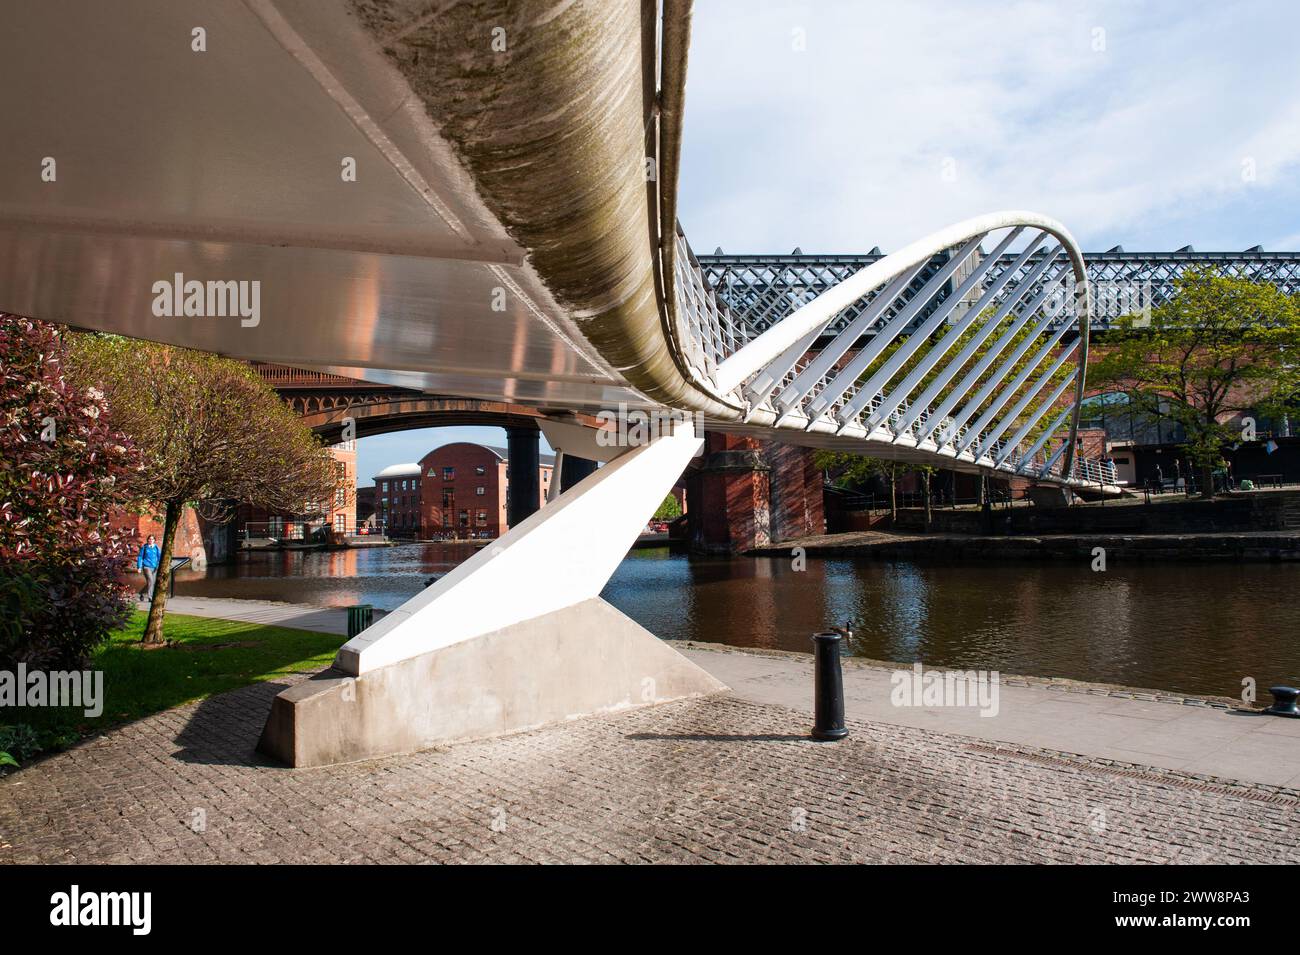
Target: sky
pixel 838 125
pixel 835 126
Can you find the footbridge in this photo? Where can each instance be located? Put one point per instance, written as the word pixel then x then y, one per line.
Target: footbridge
pixel 479 199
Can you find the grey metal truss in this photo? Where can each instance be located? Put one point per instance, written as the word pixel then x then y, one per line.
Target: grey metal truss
pixel 763 289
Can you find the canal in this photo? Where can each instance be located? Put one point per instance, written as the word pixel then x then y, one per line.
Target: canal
pixel 1195 628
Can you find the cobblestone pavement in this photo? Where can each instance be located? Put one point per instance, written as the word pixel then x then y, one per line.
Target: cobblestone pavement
pixel 715 780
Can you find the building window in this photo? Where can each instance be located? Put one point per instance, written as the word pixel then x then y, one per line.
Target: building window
pixel 481 518
pixel 463 517
pixel 449 474
pixel 480 470
pixel 480 490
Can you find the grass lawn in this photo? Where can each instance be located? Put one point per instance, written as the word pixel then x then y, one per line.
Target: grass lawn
pixel 211 656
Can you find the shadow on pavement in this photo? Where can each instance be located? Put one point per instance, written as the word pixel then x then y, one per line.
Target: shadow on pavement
pixel 224 729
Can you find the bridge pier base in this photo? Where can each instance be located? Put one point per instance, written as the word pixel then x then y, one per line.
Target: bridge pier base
pixel 515 637
pixel 1049 495
pixel 749 492
pixel 584 659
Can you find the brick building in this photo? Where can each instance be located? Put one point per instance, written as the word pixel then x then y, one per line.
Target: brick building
pixel 458 490
pixel 200 540
pixel 466 491
pixel 397 499
pixel 205 542
pixel 340 514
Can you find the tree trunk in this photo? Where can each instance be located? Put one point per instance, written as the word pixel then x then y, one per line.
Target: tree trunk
pixel 153 630
pixel 925 477
pixel 1207 480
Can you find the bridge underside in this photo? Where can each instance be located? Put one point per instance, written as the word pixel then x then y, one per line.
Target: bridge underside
pixel 477 200
pixel 291 153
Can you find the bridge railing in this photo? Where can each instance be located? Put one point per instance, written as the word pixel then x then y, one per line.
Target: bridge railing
pixel 950 351
pixel 300 530
pixel 284 376
pixel 709 330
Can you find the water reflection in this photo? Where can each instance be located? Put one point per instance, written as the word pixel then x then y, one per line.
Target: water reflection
pixel 1195 628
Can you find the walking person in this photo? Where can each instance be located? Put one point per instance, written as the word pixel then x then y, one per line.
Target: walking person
pixel 146 562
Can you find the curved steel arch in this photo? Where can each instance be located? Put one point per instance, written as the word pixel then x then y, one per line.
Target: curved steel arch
pixel 850 392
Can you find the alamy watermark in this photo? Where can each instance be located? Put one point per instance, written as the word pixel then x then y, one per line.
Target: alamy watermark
pixel 76 907
pixel 83 689
pixel 1111 301
pixel 965 688
pixel 632 428
pixel 181 298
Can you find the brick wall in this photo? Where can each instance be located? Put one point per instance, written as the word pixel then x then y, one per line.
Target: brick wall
pixel 463 491
pixel 748 492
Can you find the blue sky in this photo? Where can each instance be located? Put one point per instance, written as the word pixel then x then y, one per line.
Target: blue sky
pixel 837 125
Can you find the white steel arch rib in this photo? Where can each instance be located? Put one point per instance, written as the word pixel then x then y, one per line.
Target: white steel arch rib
pixel 851 392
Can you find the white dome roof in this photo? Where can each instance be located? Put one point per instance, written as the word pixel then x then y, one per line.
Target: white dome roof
pixel 399 471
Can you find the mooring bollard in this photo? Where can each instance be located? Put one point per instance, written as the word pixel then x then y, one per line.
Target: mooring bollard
pixel 828 692
pixel 359 617
pixel 1284 698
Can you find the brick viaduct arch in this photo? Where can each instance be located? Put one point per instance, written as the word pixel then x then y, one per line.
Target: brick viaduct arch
pixel 746 492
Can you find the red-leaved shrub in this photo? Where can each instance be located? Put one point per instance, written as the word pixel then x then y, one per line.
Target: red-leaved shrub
pixel 63 472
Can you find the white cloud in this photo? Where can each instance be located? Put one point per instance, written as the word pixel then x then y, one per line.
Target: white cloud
pixel 843 146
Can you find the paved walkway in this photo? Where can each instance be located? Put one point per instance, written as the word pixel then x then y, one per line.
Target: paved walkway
pixel 1061 775
pixel 269 612
pixel 1089 720
pixel 1133 726
pixel 715 780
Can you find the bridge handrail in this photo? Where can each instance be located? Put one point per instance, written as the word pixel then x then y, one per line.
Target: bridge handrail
pixel 783 384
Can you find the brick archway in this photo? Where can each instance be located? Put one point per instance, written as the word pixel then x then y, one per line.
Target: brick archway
pixel 325 402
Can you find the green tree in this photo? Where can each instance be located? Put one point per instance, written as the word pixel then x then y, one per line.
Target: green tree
pixel 1219 348
pixel 857 471
pixel 1001 351
pixel 211 434
pixel 668 510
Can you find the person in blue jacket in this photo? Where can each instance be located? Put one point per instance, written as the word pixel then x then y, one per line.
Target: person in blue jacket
pixel 147 563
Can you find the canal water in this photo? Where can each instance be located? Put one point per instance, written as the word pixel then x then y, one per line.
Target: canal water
pixel 1195 628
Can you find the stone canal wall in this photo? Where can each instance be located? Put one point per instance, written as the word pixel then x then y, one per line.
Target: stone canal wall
pixel 1259 511
pixel 1120 548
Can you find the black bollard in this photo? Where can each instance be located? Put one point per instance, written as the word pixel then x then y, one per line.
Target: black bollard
pixel 828 693
pixel 1284 698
